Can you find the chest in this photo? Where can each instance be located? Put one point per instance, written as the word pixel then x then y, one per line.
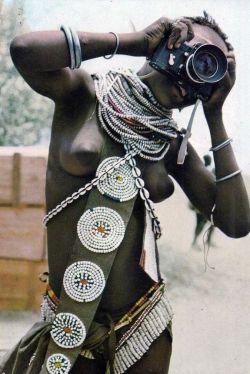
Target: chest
pixel 79 156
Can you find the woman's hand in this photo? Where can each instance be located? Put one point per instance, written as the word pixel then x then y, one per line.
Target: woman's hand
pixel 180 30
pixel 222 88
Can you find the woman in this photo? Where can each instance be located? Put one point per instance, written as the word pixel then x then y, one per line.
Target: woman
pixel 84 131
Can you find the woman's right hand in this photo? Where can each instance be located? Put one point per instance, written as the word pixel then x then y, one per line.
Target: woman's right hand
pixel 181 30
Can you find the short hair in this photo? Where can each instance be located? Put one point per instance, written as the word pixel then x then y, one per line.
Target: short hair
pixel 207 20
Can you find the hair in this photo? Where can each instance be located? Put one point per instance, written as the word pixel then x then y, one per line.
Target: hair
pixel 207 20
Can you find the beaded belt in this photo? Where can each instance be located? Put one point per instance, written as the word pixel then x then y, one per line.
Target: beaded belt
pixel 49 305
pixel 153 312
pixel 154 319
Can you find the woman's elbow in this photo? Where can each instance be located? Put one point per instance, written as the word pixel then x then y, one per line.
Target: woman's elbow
pixel 18 51
pixel 236 231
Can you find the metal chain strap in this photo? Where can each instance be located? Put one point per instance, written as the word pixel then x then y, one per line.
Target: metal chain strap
pixel 136 172
pixel 144 194
pixel 83 190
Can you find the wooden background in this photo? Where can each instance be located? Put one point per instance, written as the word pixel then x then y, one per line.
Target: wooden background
pixel 22 236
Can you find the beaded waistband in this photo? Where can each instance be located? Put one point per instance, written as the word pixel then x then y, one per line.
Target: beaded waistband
pixel 140 305
pixel 134 343
pixel 149 317
pixel 51 302
pixel 49 305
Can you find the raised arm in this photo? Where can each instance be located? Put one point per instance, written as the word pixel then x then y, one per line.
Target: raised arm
pixel 43 58
pixel 231 214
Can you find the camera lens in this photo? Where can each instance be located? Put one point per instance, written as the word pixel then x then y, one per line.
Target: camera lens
pixel 206 65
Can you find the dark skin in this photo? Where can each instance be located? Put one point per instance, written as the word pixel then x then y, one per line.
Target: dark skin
pixel 77 138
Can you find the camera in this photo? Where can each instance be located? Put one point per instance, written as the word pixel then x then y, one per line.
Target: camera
pixel 198 67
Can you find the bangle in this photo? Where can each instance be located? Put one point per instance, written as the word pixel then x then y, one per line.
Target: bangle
pixel 116 45
pixel 69 39
pixel 77 48
pixel 228 176
pixel 74 47
pixel 221 145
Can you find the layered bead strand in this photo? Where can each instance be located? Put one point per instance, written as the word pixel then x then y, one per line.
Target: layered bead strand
pixel 129 113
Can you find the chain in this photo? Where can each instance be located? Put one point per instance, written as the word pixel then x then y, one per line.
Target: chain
pixel 83 190
pixel 139 182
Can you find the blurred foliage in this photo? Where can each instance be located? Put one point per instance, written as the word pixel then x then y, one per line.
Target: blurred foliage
pixel 25 116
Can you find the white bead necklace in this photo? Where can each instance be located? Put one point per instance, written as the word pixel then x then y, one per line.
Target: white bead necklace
pixel 130 114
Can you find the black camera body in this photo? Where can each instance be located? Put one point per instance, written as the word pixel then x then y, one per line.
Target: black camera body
pixel 198 67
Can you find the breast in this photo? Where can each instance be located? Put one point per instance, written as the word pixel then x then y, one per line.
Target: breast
pixel 80 156
pixel 158 182
pixel 80 150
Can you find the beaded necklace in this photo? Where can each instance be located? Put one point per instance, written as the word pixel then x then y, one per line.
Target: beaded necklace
pixel 130 114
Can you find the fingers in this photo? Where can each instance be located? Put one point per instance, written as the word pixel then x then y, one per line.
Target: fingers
pixel 182 30
pixel 231 65
pixel 190 33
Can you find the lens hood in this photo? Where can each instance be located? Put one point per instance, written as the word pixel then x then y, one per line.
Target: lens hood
pixel 207 64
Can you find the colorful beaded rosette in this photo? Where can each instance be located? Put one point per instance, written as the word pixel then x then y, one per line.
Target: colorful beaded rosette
pixel 58 364
pixel 101 229
pixel 68 331
pixel 118 185
pixel 83 281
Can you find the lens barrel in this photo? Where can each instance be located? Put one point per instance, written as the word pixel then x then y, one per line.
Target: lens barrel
pixel 207 64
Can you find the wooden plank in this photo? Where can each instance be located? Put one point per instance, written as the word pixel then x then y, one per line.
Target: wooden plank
pixel 6 179
pixel 32 183
pixel 16 178
pixel 21 233
pixel 21 288
pixel 22 171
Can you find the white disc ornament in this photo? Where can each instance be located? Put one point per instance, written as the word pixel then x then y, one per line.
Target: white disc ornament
pixel 68 331
pixel 58 364
pixel 119 184
pixel 83 281
pixel 101 229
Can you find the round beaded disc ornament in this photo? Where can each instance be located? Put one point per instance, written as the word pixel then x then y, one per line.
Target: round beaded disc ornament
pixel 101 229
pixel 58 364
pixel 83 281
pixel 68 331
pixel 118 185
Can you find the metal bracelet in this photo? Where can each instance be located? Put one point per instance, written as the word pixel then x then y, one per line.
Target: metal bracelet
pixel 70 43
pixel 221 145
pixel 228 176
pixel 77 48
pixel 116 45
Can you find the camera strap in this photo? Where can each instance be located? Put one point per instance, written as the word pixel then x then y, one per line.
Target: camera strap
pixel 183 148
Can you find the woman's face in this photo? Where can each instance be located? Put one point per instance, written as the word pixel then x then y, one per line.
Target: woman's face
pixel 169 93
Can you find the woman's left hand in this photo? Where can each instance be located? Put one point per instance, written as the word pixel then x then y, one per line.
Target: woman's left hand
pixel 222 88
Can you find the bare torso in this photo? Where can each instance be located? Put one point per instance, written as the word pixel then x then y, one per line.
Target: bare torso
pixel 77 139
pixel 76 142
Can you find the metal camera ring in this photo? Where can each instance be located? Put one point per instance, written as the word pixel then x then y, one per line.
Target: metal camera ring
pixel 188 72
pixel 192 56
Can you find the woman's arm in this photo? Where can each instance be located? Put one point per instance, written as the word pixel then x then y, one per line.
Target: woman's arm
pixel 232 214
pixel 43 58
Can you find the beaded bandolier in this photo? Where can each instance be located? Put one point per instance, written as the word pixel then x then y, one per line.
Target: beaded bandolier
pixel 102 226
pixel 131 116
pixel 100 232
